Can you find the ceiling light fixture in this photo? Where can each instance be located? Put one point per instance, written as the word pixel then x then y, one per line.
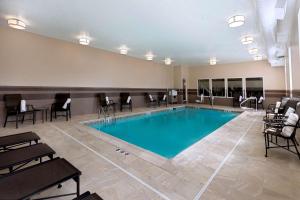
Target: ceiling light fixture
pixel 84 40
pixel 236 21
pixel 258 57
pixel 247 39
pixel 149 56
pixel 168 61
pixel 253 51
pixel 213 61
pixel 123 50
pixel 16 23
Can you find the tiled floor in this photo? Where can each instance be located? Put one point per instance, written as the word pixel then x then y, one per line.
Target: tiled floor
pixel 227 164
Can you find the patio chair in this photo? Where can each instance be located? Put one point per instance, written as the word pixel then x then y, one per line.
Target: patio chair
pixel 150 100
pixel 27 182
pixel 125 101
pixel 10 142
pixel 162 99
pixel 286 132
pixel 61 105
pixel 106 105
pixel 14 109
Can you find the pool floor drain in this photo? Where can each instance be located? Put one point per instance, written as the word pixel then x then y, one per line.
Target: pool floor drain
pixel 122 151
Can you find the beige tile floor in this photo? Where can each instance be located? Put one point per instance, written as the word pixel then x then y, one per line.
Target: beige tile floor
pixel 227 164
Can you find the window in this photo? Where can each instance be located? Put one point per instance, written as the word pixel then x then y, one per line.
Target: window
pixel 218 87
pixel 203 87
pixel 254 87
pixel 235 87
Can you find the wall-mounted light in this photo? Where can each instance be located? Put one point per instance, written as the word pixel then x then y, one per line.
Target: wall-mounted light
pixel 247 39
pixel 168 61
pixel 149 55
pixel 16 23
pixel 123 50
pixel 84 40
pixel 236 21
pixel 253 51
pixel 213 61
pixel 258 57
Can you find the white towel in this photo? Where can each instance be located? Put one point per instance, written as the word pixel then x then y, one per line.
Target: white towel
pixel 23 107
pixel 278 103
pixel 165 97
pixel 287 131
pixel 289 111
pixel 107 100
pixel 260 99
pixel 66 103
pixel 150 96
pixel 201 98
pixel 128 99
pixel 240 98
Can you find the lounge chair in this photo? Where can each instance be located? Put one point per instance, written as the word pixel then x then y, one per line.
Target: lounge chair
pixel 106 105
pixel 150 100
pixel 162 99
pixel 272 111
pixel 25 183
pixel 125 101
pixel 286 132
pixel 10 142
pixel 13 108
pixel 88 196
pixel 20 157
pixel 61 105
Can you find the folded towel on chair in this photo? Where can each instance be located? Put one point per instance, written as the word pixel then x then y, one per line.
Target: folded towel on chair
pixel 68 101
pixel 201 98
pixel 23 107
pixel 240 98
pixel 288 130
pixel 151 98
pixel 260 99
pixel 165 97
pixel 128 99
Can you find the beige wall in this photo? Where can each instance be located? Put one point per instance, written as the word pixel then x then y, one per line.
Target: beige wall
pixel 274 78
pixel 28 59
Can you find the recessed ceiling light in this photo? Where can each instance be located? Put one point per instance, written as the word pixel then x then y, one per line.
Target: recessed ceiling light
pixel 123 50
pixel 236 21
pixel 258 57
pixel 168 61
pixel 16 23
pixel 247 39
pixel 149 56
pixel 84 40
pixel 253 51
pixel 213 61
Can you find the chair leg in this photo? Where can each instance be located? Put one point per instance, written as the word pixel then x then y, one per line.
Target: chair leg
pixel 67 114
pixel 17 120
pixel 51 115
pixel 70 116
pixel 4 125
pixel 294 141
pixel 266 145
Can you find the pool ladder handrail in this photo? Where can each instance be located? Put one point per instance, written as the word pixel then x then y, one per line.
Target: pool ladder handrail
pixel 247 99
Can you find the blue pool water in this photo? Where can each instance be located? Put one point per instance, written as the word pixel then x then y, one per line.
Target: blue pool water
pixel 167 133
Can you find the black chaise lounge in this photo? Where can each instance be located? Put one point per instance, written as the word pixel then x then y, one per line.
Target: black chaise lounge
pixel 88 196
pixel 61 105
pixel 13 109
pixel 15 159
pixel 10 142
pixel 25 183
pixel 125 101
pixel 162 99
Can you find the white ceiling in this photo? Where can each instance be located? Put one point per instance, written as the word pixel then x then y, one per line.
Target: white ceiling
pixel 188 31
